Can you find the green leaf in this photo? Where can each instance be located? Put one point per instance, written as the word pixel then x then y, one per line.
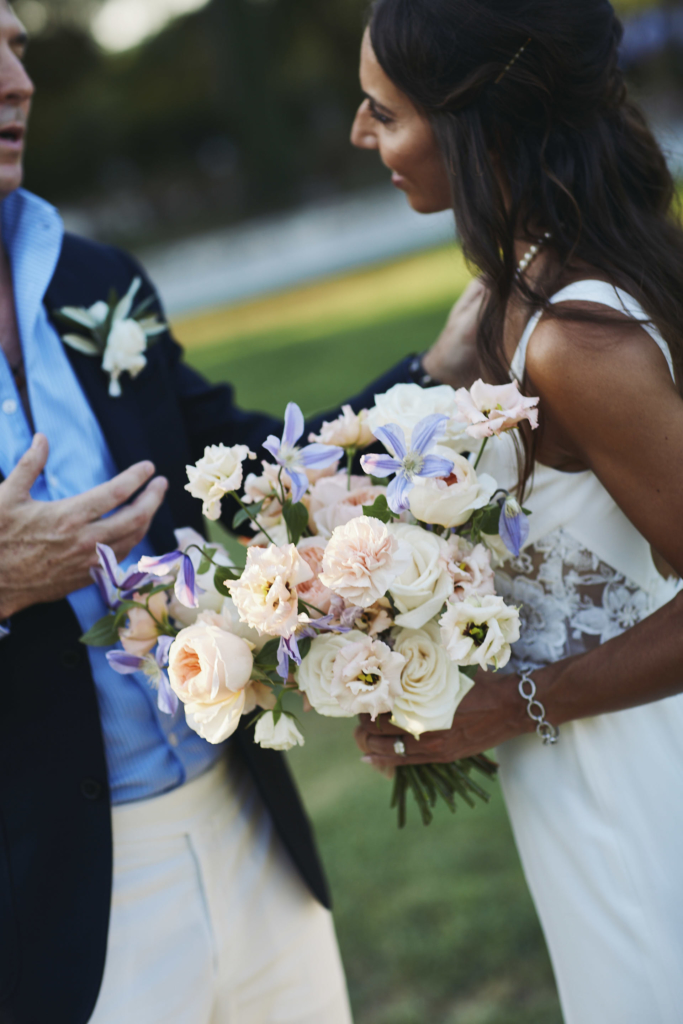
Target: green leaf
pixel 469 670
pixel 103 634
pixel 378 481
pixel 267 656
pixel 296 517
pixel 206 563
pixel 224 573
pixel 490 518
pixel 243 516
pixel 380 510
pixel 305 646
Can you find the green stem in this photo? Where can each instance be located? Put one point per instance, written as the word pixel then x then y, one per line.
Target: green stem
pixel 251 516
pixel 481 452
pixel 350 456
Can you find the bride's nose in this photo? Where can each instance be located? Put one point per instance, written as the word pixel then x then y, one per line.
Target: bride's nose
pixel 363 131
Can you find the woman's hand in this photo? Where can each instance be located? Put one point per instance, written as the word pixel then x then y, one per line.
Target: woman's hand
pixel 453 358
pixel 491 713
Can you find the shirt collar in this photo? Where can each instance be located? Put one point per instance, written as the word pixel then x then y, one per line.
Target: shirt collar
pixel 32 233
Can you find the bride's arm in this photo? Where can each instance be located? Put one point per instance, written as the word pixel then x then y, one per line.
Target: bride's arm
pixel 610 405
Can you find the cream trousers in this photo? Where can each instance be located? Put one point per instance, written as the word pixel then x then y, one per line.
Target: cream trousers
pixel 210 922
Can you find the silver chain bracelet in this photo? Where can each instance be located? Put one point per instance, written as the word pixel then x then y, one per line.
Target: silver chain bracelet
pixel 527 687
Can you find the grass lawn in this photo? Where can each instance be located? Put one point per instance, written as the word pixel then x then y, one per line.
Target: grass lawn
pixel 436 925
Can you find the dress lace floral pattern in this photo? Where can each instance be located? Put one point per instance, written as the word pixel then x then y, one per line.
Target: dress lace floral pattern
pixel 571 601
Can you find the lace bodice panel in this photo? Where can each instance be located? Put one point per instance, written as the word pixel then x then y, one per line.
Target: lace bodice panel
pixel 570 601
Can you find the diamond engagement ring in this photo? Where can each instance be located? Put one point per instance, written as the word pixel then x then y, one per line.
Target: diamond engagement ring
pixel 400 748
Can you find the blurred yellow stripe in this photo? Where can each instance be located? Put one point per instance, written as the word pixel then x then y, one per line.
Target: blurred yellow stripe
pixel 430 279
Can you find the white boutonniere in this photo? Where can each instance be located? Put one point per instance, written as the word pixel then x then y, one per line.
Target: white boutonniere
pixel 115 331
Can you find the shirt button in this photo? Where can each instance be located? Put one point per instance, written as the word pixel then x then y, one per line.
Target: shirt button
pixel 173 739
pixel 9 407
pixel 52 480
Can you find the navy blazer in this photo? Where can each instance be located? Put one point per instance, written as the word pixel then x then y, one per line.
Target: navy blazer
pixel 55 823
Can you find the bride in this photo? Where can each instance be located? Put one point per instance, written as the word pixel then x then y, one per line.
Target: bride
pixel 514 113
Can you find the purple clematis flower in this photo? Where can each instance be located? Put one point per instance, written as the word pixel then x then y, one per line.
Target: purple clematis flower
pixel 288 649
pixel 112 580
pixel 407 464
pixel 297 460
pixel 186 588
pixel 153 667
pixel 513 525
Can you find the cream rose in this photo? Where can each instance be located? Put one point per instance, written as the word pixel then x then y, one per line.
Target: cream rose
pixel 215 475
pixel 349 430
pixel 407 404
pixel 362 560
pixel 143 629
pixel 451 502
pixel 314 675
pixel 479 631
pixel 266 595
pixel 282 736
pixel 425 585
pixel 209 670
pixel 432 685
pixel 470 567
pixel 333 504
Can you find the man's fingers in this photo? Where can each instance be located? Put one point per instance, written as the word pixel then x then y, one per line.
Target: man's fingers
pixel 29 467
pixel 116 492
pixel 382 726
pixel 133 520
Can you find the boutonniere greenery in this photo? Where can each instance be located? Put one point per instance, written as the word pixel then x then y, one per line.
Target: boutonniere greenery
pixel 117 331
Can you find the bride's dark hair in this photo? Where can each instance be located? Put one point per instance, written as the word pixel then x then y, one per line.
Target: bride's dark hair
pixel 556 125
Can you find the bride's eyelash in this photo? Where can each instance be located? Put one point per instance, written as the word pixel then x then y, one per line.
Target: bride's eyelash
pixel 377 116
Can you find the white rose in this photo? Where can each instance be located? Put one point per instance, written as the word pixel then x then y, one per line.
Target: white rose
pixel 407 404
pixel 349 430
pixel 366 676
pixel 314 675
pixel 125 350
pixel 282 736
pixel 425 585
pixel 334 504
pixel 452 501
pixel 214 475
pixel 362 560
pixel 266 595
pixel 432 685
pixel 210 669
pixel 479 631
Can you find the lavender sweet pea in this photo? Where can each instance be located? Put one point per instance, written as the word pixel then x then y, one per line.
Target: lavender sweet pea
pixel 186 589
pixel 410 463
pixel 297 460
pixel 153 667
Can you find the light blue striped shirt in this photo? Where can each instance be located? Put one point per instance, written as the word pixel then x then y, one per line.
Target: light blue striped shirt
pixel 147 752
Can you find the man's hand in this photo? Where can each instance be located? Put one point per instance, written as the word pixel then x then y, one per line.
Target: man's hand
pixel 48 547
pixel 453 358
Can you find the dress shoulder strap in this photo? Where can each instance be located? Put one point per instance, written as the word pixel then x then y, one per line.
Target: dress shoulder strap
pixel 592 291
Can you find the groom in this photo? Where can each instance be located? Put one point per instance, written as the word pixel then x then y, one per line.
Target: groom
pixel 218 907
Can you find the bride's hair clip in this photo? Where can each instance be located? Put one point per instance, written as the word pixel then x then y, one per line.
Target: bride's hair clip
pixel 516 57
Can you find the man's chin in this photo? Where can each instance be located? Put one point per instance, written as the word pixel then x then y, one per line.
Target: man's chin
pixel 11 178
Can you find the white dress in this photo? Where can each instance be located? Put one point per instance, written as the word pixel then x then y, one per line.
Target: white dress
pixel 598 818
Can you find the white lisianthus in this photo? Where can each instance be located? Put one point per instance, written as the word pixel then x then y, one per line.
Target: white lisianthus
pixel 362 560
pixel 425 585
pixel 282 736
pixel 349 430
pixel 450 502
pixel 210 670
pixel 366 676
pixel 407 404
pixel 432 685
pixel 125 350
pixel 215 475
pixel 266 595
pixel 470 567
pixel 479 631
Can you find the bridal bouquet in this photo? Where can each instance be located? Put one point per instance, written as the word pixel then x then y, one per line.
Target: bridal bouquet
pixel 367 594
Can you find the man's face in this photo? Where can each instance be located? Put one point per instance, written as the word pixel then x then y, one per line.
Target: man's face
pixel 16 92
